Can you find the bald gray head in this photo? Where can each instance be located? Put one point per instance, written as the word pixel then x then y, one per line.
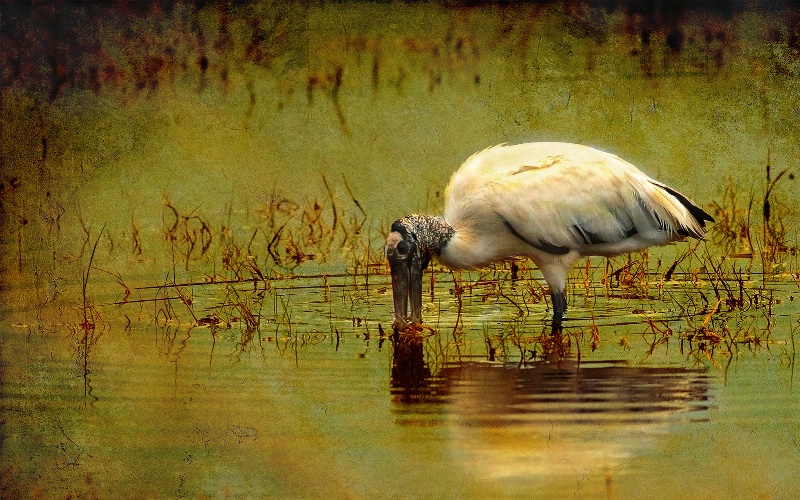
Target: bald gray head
pixel 414 239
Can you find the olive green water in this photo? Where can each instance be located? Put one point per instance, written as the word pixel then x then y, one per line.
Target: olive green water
pixel 195 304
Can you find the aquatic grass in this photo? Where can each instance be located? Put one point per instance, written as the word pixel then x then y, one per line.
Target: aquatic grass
pixel 294 229
pixel 242 287
pixel 731 231
pixel 309 230
pixel 190 232
pixel 136 239
pixel 92 326
pixel 735 229
pixel 774 229
pixel 793 329
pixel 324 231
pixel 661 332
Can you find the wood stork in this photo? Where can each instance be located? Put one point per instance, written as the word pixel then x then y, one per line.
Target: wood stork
pixel 552 202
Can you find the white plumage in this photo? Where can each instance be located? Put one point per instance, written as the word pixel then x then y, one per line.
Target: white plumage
pixel 551 202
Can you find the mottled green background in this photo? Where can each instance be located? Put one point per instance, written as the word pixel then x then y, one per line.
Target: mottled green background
pixel 118 105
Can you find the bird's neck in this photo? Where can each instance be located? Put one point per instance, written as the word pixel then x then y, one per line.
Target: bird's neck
pixel 432 232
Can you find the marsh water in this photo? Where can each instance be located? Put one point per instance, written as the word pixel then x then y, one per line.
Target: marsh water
pixel 316 403
pixel 195 302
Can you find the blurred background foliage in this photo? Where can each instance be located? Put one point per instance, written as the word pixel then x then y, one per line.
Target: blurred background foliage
pixel 112 111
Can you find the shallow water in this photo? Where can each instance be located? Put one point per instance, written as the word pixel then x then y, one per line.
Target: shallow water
pixel 318 403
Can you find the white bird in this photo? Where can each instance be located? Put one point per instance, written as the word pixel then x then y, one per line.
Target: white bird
pixel 552 202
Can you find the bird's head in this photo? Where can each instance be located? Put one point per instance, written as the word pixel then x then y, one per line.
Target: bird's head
pixel 406 260
pixel 410 245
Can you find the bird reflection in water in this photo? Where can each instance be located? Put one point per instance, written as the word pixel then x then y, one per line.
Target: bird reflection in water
pixel 412 377
pixel 546 419
pixel 549 385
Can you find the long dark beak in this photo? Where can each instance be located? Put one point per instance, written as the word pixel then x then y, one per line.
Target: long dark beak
pixel 407 287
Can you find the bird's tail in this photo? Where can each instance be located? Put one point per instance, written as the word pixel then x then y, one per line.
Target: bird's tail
pixel 694 227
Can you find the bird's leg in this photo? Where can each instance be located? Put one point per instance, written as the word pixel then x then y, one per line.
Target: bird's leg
pixel 559 306
pixel 554 269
